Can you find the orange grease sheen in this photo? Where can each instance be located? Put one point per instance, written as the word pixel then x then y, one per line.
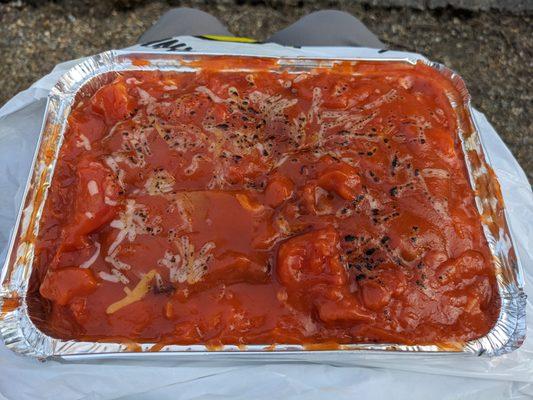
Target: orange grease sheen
pixel 330 207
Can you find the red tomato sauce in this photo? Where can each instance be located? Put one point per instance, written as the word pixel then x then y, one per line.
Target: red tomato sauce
pixel 227 207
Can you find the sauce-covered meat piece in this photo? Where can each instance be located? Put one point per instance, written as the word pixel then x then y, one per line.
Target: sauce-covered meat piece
pixel 227 207
pixel 95 202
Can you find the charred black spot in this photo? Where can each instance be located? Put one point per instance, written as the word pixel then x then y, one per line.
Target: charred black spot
pixel 349 238
pixel 370 251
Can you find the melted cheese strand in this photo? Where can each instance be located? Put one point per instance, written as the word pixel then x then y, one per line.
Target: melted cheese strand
pixel 93 258
pixel 134 295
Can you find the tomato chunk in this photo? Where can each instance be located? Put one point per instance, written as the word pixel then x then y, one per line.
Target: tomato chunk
pixel 91 126
pixel 311 259
pixel 113 102
pixel 342 179
pixel 469 263
pixel 96 202
pixel 347 310
pixel 62 285
pixel 375 296
pixel 234 267
pixel 278 190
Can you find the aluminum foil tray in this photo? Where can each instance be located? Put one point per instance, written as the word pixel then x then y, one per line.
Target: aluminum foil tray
pixel 22 336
